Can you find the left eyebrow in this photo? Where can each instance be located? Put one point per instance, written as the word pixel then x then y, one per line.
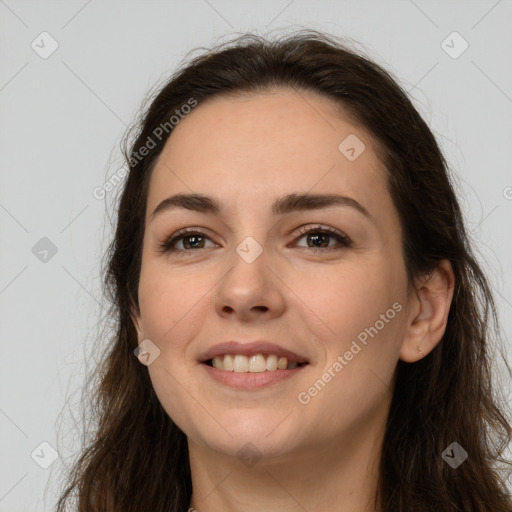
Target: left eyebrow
pixel 282 206
pixel 302 202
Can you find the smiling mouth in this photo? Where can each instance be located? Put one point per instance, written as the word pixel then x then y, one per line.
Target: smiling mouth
pixel 256 363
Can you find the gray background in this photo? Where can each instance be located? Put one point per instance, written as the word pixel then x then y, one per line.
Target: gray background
pixel 61 119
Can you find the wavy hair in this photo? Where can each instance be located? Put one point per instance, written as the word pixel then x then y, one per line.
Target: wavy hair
pixel 138 458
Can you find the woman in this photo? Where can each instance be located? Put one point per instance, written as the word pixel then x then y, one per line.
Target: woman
pixel 292 272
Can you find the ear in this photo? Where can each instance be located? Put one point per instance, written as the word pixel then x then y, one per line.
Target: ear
pixel 429 307
pixel 137 321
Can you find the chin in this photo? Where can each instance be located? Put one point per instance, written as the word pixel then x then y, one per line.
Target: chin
pixel 251 449
pixel 251 437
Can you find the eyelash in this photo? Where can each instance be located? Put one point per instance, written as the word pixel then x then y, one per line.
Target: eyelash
pixel 343 241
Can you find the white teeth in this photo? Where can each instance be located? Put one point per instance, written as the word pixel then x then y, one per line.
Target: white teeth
pixel 228 363
pixel 255 364
pixel 271 363
pixel 241 364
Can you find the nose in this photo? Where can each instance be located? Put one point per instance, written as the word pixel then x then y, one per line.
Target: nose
pixel 250 290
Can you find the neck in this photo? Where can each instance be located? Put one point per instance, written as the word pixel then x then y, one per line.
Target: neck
pixel 341 475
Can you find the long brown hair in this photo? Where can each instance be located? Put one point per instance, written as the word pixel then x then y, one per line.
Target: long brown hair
pixel 138 459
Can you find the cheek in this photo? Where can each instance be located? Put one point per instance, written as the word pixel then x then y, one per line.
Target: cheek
pixel 351 297
pixel 168 304
pixel 362 311
pixel 171 312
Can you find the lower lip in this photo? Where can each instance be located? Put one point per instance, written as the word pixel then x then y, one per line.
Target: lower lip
pixel 248 380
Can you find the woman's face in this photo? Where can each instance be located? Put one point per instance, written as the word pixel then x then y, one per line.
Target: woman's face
pixel 247 273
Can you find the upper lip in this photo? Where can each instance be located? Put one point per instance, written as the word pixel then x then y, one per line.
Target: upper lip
pixel 249 349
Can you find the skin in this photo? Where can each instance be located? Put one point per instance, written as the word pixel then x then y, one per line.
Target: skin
pixel 246 152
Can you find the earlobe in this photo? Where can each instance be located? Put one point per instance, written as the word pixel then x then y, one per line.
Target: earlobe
pixel 429 308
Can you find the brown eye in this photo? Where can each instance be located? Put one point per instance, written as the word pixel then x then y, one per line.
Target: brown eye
pixel 188 239
pixel 192 241
pixel 320 238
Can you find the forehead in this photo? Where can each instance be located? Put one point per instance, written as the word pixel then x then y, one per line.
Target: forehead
pixel 266 144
